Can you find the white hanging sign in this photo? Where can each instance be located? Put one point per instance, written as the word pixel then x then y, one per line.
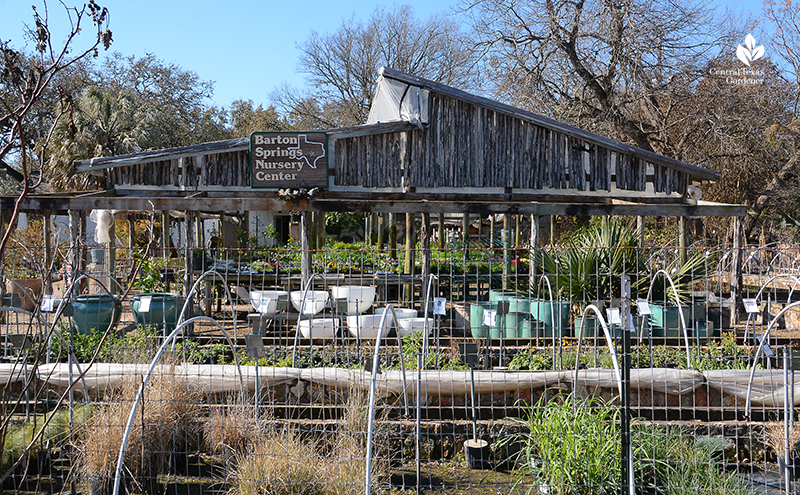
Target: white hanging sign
pixel 439 306
pixel 751 306
pixel 489 317
pixel 644 307
pixel 613 316
pixel 49 304
pixel 144 304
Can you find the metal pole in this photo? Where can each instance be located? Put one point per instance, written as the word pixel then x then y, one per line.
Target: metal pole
pixel 787 469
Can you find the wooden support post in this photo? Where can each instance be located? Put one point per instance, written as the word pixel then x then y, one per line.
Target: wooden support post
pixel 393 236
pixel 305 248
pixel 491 234
pixel 188 221
pixel 736 270
pixel 48 255
pixel 465 229
pixel 640 230
pixel 409 261
pixel 532 281
pixel 683 239
pixel 165 231
pixel 425 235
pixel 441 232
pixel 112 257
pixel 381 229
pixel 131 234
pixel 321 238
pixel 74 256
pixel 553 220
pixel 313 235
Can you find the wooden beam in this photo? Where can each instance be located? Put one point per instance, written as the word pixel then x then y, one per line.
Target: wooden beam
pixel 102 163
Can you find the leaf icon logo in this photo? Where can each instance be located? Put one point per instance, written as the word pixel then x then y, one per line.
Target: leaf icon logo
pixel 749 52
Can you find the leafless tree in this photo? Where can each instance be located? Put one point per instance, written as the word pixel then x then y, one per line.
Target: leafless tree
pixel 24 82
pixel 617 67
pixel 342 66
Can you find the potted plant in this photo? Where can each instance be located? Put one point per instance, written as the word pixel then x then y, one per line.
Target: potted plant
pixel 589 270
pixel 95 312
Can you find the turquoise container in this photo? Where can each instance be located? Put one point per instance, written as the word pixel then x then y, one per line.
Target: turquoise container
pixel 476 326
pixel 95 312
pixel 542 310
pixel 590 329
pixel 665 320
pixel 510 326
pixel 164 310
pixel 516 303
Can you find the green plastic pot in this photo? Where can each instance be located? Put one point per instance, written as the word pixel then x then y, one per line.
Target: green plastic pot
pixel 164 310
pixel 542 310
pixel 476 326
pixel 95 312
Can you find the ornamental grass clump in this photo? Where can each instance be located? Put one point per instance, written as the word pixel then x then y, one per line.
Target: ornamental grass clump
pixel 165 427
pixel 281 461
pixel 573 445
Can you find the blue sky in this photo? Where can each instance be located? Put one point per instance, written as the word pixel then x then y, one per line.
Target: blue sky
pixel 247 48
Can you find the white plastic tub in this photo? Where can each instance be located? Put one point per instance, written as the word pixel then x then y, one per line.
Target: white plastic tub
pixel 359 297
pixel 367 327
pixel 315 301
pixel 266 301
pixel 319 328
pixel 411 325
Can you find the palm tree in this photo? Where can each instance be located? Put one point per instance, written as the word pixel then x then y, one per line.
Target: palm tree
pixel 102 123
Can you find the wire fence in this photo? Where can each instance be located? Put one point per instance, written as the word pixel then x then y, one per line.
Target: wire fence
pixel 590 367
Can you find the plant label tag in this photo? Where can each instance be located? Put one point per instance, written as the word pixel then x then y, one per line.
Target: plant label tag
pixel 489 316
pixel 751 306
pixel 613 316
pixel 439 305
pixel 767 349
pixel 631 325
pixel 49 304
pixel 263 306
pixel 644 307
pixel 144 304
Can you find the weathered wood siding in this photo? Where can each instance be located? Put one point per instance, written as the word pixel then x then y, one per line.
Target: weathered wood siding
pixel 468 145
pixel 229 169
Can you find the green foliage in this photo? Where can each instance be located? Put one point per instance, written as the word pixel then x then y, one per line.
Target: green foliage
pixel 149 278
pixel 668 461
pixel 138 346
pixel 591 266
pixel 572 444
pixel 412 349
pixel 723 356
pixel 531 359
pixel 55 434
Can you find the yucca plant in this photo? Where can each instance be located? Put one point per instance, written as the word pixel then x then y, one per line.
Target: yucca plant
pixel 590 267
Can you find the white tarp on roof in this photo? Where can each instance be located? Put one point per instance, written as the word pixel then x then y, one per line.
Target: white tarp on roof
pixel 396 101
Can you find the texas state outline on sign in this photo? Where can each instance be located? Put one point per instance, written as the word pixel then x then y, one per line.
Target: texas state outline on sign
pixel 309 150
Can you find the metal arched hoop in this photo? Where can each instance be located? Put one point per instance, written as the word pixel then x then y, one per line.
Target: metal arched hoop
pixel 372 392
pixel 300 317
pixel 680 311
pixel 761 291
pixel 135 407
pixel 188 301
pixel 758 353
pixel 610 342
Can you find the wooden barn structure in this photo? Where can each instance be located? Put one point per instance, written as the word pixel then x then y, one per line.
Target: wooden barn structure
pixel 426 149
